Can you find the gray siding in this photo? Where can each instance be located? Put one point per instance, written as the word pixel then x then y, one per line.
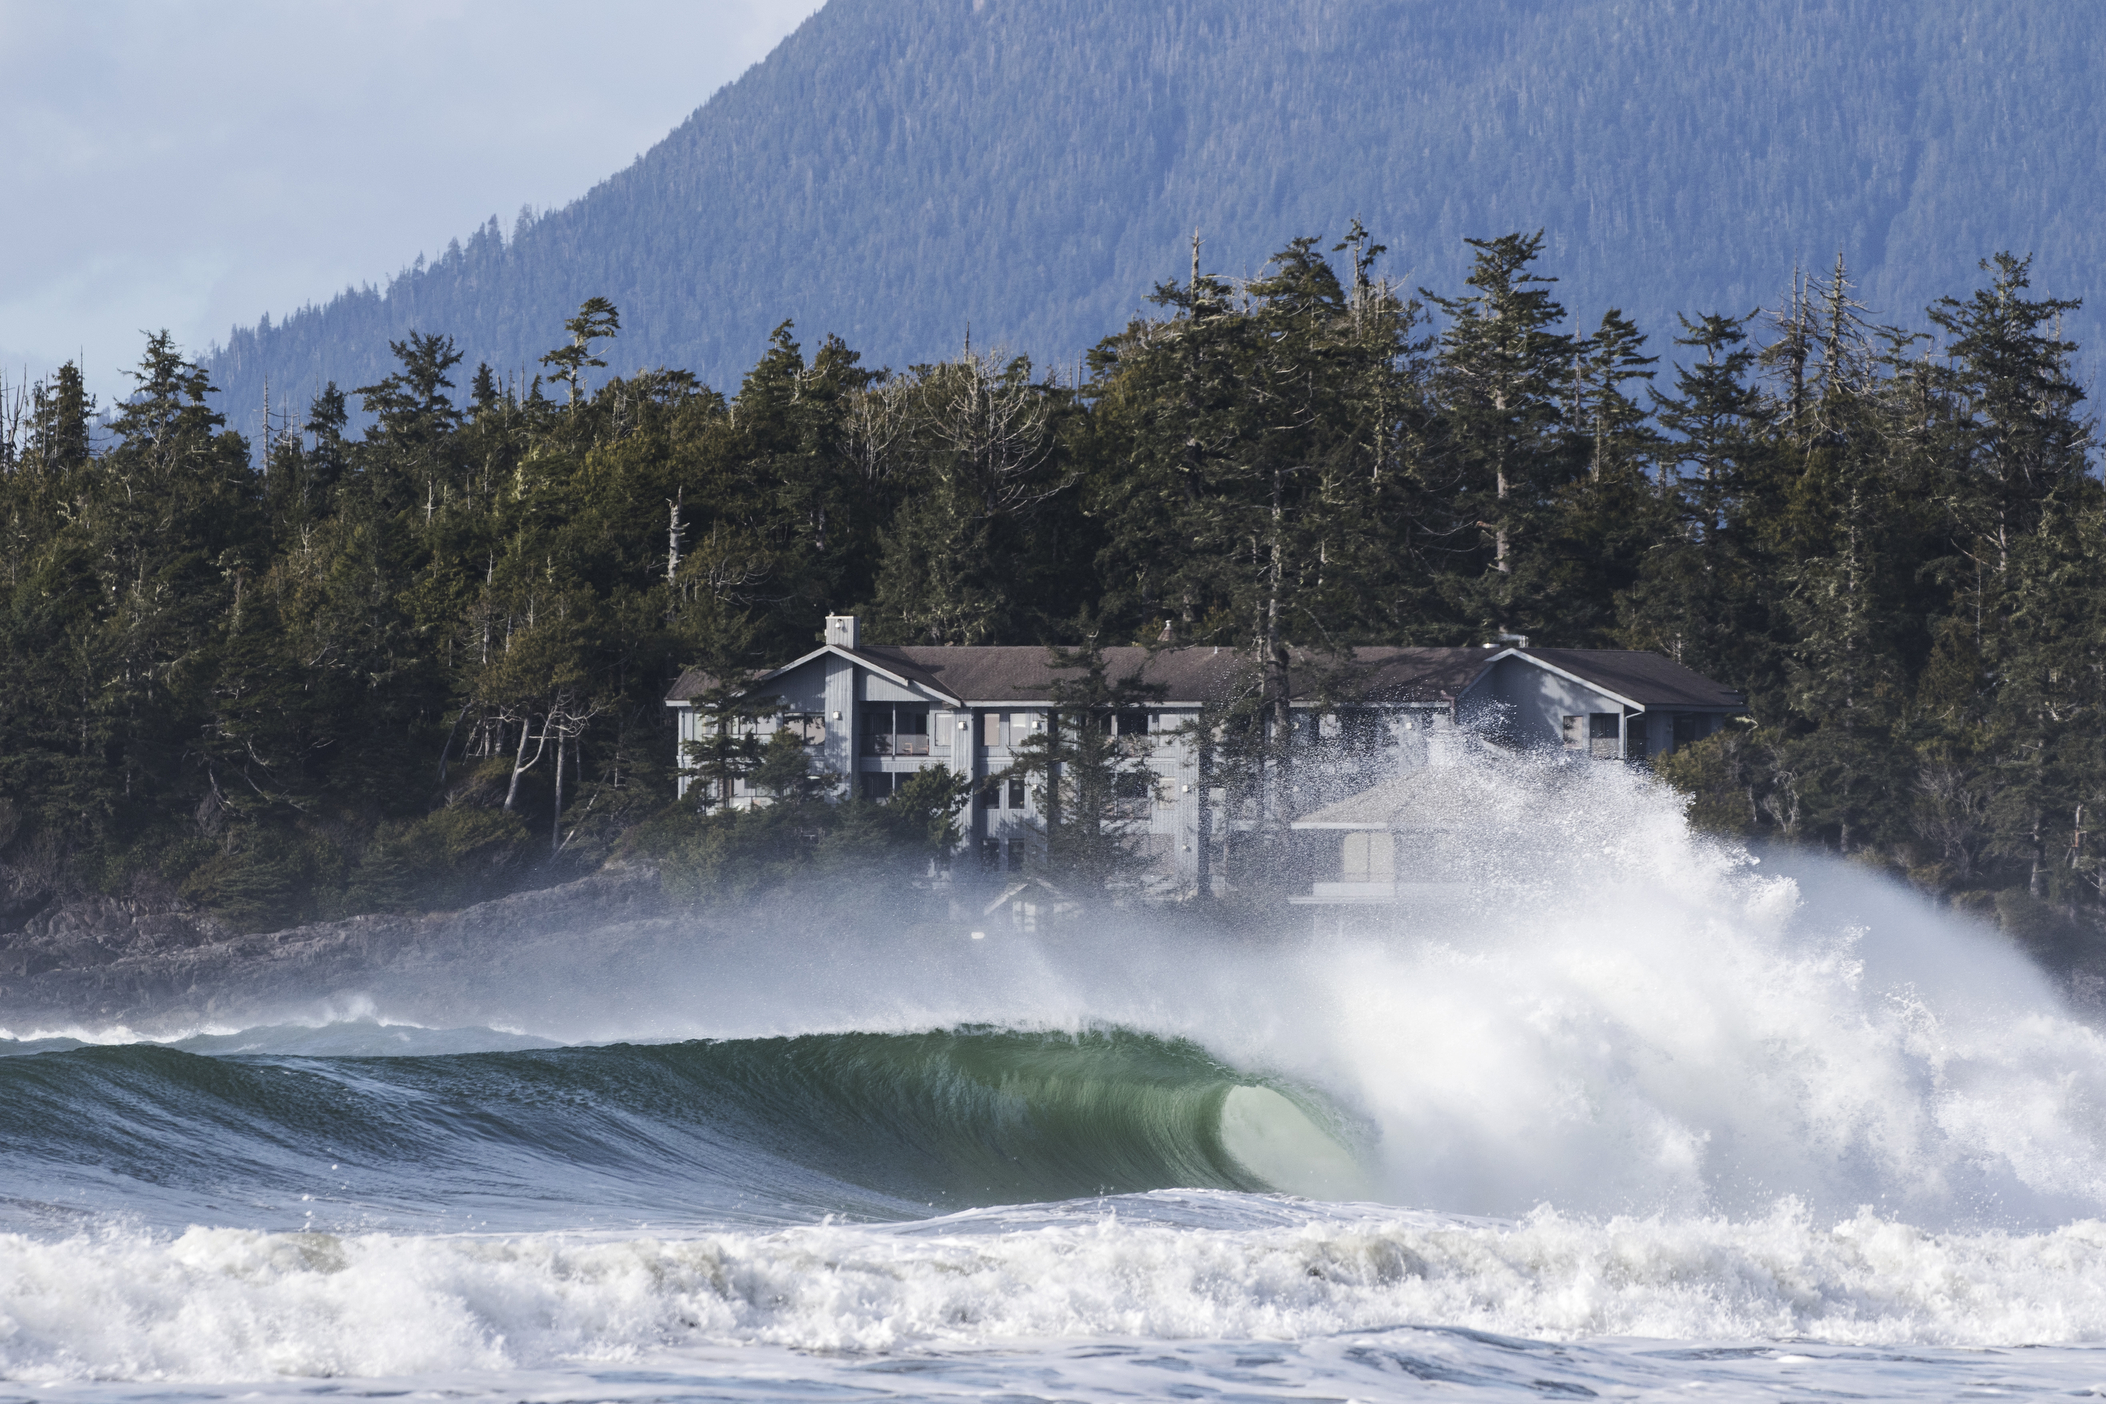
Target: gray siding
pixel 1532 701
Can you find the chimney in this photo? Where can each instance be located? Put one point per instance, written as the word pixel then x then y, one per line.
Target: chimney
pixel 841 630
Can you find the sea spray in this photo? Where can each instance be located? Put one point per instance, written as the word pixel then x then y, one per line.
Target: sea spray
pixel 1622 1017
pixel 1688 1095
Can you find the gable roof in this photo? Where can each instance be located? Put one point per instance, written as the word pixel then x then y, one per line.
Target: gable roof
pixel 694 681
pixel 1384 675
pixel 1021 674
pixel 1192 674
pixel 1643 679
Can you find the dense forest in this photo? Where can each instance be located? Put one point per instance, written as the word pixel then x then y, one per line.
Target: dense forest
pixel 324 672
pixel 899 171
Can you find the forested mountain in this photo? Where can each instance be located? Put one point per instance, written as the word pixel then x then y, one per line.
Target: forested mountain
pixel 900 170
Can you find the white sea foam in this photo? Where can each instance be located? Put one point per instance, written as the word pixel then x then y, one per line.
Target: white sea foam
pixel 230 1304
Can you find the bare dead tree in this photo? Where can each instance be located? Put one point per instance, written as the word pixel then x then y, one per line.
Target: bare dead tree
pixel 565 719
pixel 878 420
pixel 1953 812
pixel 998 425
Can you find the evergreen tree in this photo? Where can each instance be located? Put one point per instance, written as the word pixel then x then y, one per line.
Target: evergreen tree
pixel 1842 527
pixel 1617 513
pixel 1701 596
pixel 2024 514
pixel 410 458
pixel 728 714
pixel 1502 368
pixel 597 320
pixel 1090 777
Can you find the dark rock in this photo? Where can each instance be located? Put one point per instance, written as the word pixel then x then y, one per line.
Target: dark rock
pixel 17 908
pixel 103 962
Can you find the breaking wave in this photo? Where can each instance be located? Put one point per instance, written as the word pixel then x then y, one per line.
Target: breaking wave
pixel 1638 1084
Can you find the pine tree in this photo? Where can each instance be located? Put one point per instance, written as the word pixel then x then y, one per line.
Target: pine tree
pixel 1090 777
pixel 597 320
pixel 410 457
pixel 2024 514
pixel 728 714
pixel 1701 596
pixel 1612 517
pixel 1503 369
pixel 1844 529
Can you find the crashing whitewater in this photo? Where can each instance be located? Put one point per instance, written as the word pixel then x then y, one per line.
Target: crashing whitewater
pixel 1641 1114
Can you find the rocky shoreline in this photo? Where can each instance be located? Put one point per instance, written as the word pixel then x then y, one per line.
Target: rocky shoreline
pixel 103 963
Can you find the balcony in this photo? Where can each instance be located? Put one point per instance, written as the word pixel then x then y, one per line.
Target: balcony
pixel 895 731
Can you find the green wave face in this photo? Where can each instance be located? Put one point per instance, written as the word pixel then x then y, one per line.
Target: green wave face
pixel 774 1129
pixel 1272 1137
pixel 981 1116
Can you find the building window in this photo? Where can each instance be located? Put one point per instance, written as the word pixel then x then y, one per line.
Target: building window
pixel 1575 733
pixel 1689 729
pixel 808 727
pixel 1369 857
pixel 879 785
pixel 1016 792
pixel 896 731
pixel 1362 730
pixel 1008 728
pixel 1605 735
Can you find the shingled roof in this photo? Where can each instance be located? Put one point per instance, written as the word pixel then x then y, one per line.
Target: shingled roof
pixel 1388 675
pixel 1648 679
pixel 1021 674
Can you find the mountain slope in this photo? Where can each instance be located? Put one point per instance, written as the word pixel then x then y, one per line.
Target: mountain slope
pixel 899 170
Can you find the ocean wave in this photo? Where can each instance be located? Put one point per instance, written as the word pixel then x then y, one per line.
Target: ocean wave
pixel 875 1125
pixel 218 1303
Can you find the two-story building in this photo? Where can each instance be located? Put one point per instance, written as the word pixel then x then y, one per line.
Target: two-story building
pixel 875 713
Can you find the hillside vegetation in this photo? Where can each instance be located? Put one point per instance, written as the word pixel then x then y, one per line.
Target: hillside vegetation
pixel 426 663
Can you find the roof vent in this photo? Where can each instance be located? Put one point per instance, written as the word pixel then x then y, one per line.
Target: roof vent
pixel 1517 640
pixel 842 630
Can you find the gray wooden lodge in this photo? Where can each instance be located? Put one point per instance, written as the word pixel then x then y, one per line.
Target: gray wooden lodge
pixel 875 713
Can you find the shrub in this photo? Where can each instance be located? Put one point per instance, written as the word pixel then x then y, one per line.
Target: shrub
pixel 449 858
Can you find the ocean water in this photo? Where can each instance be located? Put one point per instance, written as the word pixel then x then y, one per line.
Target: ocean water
pixel 1643 1120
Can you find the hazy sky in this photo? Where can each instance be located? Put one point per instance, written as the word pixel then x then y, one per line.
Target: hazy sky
pixel 190 164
